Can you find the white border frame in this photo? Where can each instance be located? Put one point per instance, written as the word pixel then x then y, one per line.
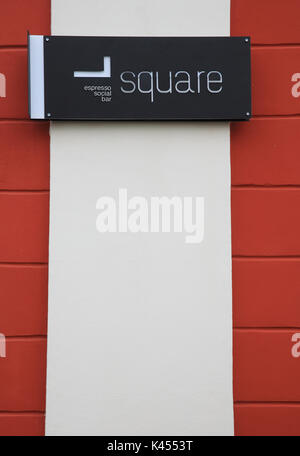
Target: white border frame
pixel 36 77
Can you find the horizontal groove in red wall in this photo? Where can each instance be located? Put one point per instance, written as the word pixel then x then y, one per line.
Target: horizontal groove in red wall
pixel 27 337
pixel 25 157
pixel 266 293
pixel 274 116
pixel 264 257
pixel 267 419
pixel 263 329
pixel 272 71
pixel 13 64
pixel 12 50
pixel 267 328
pixel 13 46
pixel 22 424
pixel 24 227
pixel 264 368
pixel 23 300
pixel 22 263
pixel 275 403
pixel 265 186
pixel 18 16
pixel 265 222
pixel 19 120
pixel 267 21
pixel 22 412
pixel 23 375
pixel 275 45
pixel 264 152
pixel 24 190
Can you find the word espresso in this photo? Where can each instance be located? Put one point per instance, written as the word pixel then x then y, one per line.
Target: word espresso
pixel 181 82
pixel 159 214
pixel 104 92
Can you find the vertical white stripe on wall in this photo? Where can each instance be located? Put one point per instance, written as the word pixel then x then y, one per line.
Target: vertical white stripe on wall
pixel 139 339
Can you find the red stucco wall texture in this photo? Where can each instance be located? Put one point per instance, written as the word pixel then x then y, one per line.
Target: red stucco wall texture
pixel 265 163
pixel 24 209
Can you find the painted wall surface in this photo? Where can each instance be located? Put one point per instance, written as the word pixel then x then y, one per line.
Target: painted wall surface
pixel 265 214
pixel 24 209
pixel 139 331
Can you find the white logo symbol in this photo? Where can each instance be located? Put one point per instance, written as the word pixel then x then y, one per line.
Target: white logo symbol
pixel 106 73
pixel 2 86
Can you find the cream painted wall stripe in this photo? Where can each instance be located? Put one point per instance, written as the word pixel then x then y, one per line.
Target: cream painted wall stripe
pixel 139 337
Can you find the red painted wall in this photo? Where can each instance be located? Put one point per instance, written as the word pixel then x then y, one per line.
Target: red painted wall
pixel 265 162
pixel 24 208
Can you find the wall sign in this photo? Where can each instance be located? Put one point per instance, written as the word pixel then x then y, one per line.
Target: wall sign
pixel 133 78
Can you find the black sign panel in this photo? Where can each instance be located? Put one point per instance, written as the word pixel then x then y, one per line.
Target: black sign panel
pixel 147 78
